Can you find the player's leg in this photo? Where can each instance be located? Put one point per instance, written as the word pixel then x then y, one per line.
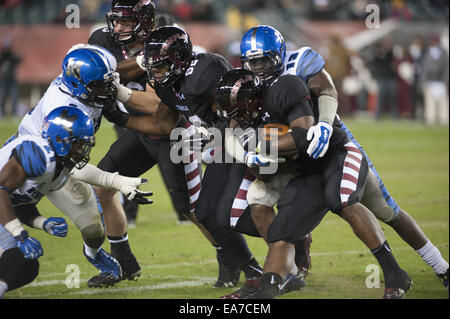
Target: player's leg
pixel 77 201
pixel 262 197
pixel 378 200
pixel 174 179
pixel 300 210
pixel 344 179
pixel 233 243
pixel 129 157
pixel 130 207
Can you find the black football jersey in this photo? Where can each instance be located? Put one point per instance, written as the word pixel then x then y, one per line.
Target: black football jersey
pixel 192 95
pixel 283 102
pixel 101 37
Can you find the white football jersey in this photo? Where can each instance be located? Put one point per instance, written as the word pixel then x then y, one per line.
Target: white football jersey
pixel 57 95
pixel 304 63
pixel 38 160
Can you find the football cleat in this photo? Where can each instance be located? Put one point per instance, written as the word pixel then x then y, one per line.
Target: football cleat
pixel 111 271
pixel 102 281
pixel 250 287
pixel 269 287
pixel 405 283
pixel 303 256
pixel 292 283
pixel 130 267
pixel 394 293
pixel 229 274
pixel 444 279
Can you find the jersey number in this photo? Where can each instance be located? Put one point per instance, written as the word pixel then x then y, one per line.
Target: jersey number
pixel 190 70
pixel 291 58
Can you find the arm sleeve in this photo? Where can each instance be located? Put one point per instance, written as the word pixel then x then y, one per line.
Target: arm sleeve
pixel 31 158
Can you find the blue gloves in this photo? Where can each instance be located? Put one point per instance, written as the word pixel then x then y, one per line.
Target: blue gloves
pixel 319 135
pixel 56 226
pixel 30 247
pixel 253 159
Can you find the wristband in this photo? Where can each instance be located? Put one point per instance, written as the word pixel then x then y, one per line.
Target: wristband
pixel 123 94
pixel 299 135
pixel 15 227
pixel 4 188
pixel 38 222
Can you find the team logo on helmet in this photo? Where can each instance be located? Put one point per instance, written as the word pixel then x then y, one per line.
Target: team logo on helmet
pixel 166 45
pixel 235 89
pixel 74 68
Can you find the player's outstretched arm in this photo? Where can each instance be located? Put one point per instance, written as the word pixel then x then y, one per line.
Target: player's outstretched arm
pixel 129 70
pixel 141 101
pixel 126 185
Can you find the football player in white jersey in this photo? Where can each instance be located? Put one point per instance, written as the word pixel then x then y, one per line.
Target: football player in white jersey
pixel 85 83
pixel 32 166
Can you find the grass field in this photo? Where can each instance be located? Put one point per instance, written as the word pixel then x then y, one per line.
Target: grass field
pixel 178 263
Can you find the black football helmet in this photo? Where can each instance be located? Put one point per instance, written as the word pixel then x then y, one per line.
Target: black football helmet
pixel 139 14
pixel 167 54
pixel 238 96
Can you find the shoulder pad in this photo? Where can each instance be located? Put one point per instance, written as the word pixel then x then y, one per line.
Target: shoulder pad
pixel 32 158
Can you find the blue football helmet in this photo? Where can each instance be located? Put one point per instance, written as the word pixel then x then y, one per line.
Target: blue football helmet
pixel 70 131
pixel 88 74
pixel 263 51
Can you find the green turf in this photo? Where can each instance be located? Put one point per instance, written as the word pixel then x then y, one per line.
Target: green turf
pixel 178 263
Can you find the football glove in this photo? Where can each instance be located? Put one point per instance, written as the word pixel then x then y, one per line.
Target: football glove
pixel 56 226
pixel 195 138
pixel 253 159
pixel 128 186
pixel 114 115
pixel 319 135
pixel 30 247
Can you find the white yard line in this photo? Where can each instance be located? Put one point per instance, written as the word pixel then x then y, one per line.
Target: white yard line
pixel 75 291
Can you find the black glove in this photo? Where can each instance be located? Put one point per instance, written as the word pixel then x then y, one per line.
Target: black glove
pixel 113 114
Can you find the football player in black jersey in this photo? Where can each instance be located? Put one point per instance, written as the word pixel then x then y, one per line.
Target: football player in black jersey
pixel 185 83
pixel 129 22
pixel 335 182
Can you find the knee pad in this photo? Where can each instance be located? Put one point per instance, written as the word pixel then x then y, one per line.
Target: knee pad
pixel 78 202
pixel 267 193
pixel 93 235
pixel 80 191
pixel 261 193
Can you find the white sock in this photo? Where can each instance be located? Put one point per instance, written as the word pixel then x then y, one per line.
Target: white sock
pixel 91 252
pixel 3 288
pixel 432 256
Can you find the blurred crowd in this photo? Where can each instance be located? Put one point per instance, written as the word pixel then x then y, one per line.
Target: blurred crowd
pixel 400 81
pixel 48 11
